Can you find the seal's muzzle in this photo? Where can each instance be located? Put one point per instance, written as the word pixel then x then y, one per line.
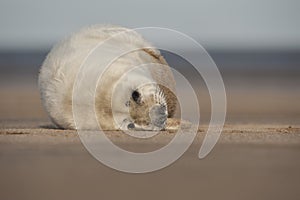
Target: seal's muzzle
pixel 158 115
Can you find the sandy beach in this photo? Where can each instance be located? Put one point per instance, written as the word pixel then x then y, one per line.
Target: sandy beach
pixel 249 162
pixel 256 157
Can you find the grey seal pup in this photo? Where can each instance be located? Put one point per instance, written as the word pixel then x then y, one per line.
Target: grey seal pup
pixel 127 96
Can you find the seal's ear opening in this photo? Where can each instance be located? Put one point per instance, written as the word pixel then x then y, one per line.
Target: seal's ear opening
pixel 136 96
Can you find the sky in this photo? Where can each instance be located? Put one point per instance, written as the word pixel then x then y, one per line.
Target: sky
pixel 216 24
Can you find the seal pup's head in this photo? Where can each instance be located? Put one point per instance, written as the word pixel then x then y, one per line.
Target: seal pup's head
pixel 147 108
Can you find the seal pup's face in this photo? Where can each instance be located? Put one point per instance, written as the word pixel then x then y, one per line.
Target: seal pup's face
pixel 147 108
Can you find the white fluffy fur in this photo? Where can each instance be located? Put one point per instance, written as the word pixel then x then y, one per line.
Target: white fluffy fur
pixel 58 72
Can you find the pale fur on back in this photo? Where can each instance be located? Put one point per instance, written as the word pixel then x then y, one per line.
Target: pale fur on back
pixel 59 70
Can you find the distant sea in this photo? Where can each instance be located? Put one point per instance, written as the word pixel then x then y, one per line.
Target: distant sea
pixel 287 62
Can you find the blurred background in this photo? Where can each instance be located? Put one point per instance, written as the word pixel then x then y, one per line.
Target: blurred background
pixel 255 44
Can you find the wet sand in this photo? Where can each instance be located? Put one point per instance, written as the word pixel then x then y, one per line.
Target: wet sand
pixel 257 156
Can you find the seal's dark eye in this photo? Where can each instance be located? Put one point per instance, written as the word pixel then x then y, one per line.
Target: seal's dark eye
pixel 135 95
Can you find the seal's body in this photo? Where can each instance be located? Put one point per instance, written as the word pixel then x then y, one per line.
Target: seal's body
pixel 129 95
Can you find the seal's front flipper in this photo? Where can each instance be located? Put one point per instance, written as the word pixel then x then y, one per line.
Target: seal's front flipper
pixel 173 124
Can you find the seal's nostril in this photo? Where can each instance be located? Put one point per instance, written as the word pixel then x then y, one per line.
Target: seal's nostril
pixel 131 126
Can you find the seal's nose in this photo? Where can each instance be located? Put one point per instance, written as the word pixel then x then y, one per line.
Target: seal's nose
pixel 158 115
